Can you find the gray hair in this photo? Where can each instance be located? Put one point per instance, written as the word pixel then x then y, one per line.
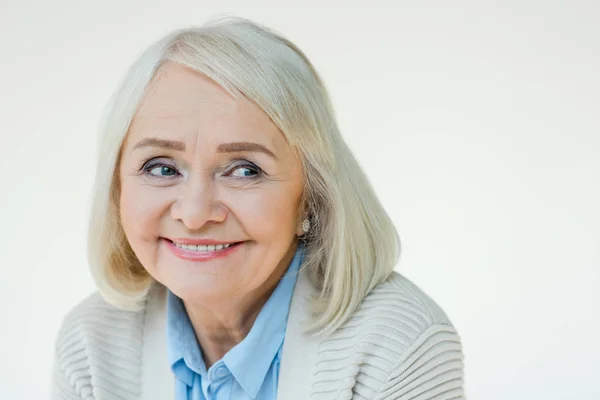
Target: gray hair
pixel 352 246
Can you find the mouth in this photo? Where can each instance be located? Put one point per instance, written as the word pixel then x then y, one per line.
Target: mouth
pixel 201 252
pixel 204 247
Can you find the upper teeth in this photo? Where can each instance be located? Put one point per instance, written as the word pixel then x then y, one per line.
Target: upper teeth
pixel 201 247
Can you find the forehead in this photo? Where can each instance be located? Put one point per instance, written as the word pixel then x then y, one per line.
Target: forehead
pixel 176 88
pixel 181 102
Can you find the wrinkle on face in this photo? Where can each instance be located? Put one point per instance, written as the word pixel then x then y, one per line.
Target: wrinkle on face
pixel 190 123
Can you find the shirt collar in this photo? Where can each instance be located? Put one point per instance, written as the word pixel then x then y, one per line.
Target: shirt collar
pixel 250 360
pixel 184 354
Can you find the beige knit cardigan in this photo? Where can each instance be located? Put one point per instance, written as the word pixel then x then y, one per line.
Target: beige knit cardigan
pixel 398 345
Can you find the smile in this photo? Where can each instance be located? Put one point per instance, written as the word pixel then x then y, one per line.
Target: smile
pixel 203 248
pixel 202 252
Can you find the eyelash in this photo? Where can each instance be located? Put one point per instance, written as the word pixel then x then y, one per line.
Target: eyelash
pixel 149 166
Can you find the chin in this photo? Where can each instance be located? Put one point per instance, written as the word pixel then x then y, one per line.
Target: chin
pixel 202 289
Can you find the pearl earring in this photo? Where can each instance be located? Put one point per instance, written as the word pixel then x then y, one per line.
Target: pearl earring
pixel 306 225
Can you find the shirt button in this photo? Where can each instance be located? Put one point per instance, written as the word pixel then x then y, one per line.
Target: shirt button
pixel 221 372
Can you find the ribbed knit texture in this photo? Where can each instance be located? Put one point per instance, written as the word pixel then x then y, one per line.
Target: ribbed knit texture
pixel 398 345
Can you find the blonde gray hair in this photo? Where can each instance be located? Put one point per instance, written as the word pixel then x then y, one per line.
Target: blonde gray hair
pixel 352 245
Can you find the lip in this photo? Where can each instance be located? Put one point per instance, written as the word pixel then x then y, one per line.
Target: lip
pixel 201 256
pixel 205 242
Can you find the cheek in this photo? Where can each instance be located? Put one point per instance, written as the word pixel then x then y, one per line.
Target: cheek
pixel 141 211
pixel 267 215
pixel 268 218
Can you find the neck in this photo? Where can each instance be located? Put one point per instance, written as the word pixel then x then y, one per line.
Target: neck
pixel 220 327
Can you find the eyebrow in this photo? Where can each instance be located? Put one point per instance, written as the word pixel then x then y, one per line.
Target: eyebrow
pixel 233 147
pixel 160 143
pixel 236 147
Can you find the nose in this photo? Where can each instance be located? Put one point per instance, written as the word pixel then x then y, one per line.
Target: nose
pixel 198 203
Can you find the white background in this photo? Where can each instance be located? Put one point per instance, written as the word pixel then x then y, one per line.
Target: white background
pixel 478 123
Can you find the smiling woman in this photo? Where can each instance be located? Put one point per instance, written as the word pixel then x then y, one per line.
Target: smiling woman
pixel 238 249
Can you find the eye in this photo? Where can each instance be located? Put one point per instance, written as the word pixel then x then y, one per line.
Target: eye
pixel 163 170
pixel 244 171
pixel 160 170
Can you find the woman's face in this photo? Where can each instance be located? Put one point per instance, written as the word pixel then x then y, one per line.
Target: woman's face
pixel 199 167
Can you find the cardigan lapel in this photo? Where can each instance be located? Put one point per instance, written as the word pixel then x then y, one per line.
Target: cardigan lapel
pixel 158 381
pixel 299 352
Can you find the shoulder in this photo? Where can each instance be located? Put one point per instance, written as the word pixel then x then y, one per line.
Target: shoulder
pixel 397 338
pixel 89 310
pixel 94 320
pixel 424 350
pixel 96 338
pixel 399 300
pixel 394 316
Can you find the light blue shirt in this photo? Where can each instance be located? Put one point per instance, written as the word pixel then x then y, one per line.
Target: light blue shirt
pixel 250 370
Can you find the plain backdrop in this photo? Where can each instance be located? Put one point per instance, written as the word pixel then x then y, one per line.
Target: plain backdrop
pixel 477 122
